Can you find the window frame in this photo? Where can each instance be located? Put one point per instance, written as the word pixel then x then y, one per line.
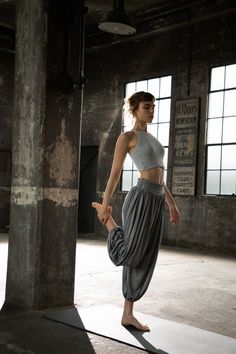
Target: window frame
pixel 221 144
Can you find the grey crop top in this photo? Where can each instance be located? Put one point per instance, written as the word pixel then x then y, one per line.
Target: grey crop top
pixel 148 152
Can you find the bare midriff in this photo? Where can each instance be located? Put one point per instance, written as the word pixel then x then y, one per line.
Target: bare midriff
pixel 155 175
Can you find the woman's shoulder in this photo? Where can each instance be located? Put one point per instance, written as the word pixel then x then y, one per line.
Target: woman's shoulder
pixel 129 137
pixel 130 134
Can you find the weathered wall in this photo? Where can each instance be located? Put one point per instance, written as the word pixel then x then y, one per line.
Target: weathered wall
pixel 206 221
pixel 6 109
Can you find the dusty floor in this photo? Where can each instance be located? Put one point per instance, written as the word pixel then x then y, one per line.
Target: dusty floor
pixel 190 287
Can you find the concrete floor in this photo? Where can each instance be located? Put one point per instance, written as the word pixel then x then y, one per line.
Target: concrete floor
pixel 189 287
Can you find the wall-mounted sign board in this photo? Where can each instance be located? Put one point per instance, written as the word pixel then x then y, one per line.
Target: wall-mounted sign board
pixel 185 146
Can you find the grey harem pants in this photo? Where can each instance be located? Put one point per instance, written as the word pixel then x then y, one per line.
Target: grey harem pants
pixel 135 245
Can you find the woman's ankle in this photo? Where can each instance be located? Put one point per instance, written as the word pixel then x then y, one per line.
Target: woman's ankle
pixel 110 224
pixel 128 308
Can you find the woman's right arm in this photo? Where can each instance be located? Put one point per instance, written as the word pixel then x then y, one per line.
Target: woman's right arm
pixel 121 149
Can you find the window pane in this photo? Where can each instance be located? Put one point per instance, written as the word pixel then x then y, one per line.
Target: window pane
pixel 229 130
pixel 165 86
pixel 130 89
pixel 125 129
pixel 153 87
pixel 217 78
pixel 164 110
pixel 214 131
pixel 156 112
pixel 165 176
pixel 165 159
pixel 230 103
pixel 135 177
pixel 213 157
pixel 213 182
pixel 228 182
pixel 126 180
pixel 215 105
pixel 152 128
pixel 127 119
pixel 163 133
pixel 230 80
pixel 141 85
pixel 127 163
pixel 229 157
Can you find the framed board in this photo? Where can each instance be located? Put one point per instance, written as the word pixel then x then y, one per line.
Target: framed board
pixel 185 146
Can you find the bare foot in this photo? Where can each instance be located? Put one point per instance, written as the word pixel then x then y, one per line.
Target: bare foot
pixel 98 206
pixel 130 320
pixel 110 222
pixel 105 217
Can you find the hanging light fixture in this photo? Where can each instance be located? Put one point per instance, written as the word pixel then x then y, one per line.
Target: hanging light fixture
pixel 117 21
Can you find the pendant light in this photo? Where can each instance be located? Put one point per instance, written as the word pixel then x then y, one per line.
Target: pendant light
pixel 117 21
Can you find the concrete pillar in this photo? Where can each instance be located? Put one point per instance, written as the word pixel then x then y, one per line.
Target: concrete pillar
pixel 46 140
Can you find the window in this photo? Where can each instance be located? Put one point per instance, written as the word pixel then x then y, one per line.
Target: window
pixel 160 126
pixel 221 132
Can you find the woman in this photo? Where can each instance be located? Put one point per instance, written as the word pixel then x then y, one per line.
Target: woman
pixel 135 245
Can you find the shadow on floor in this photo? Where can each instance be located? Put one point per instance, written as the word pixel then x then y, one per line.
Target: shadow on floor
pixel 31 333
pixel 146 344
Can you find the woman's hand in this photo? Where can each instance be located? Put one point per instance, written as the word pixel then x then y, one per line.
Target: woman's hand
pixel 174 214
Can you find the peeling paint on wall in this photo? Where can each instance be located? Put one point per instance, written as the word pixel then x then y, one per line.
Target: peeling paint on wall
pixel 26 196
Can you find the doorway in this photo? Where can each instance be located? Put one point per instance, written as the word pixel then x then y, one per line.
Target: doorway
pixel 87 189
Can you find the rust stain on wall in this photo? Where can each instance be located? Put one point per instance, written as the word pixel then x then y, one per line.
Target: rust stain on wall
pixel 61 196
pixel 62 160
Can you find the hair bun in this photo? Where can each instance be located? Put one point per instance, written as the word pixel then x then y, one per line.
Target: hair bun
pixel 131 103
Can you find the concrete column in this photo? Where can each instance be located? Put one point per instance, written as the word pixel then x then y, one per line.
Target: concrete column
pixel 46 140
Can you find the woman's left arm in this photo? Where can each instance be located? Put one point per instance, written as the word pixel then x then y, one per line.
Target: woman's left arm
pixel 174 212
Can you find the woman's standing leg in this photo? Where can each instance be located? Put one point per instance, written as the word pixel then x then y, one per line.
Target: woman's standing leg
pixel 128 318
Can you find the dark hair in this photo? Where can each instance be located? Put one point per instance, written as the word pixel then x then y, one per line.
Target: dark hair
pixel 131 103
